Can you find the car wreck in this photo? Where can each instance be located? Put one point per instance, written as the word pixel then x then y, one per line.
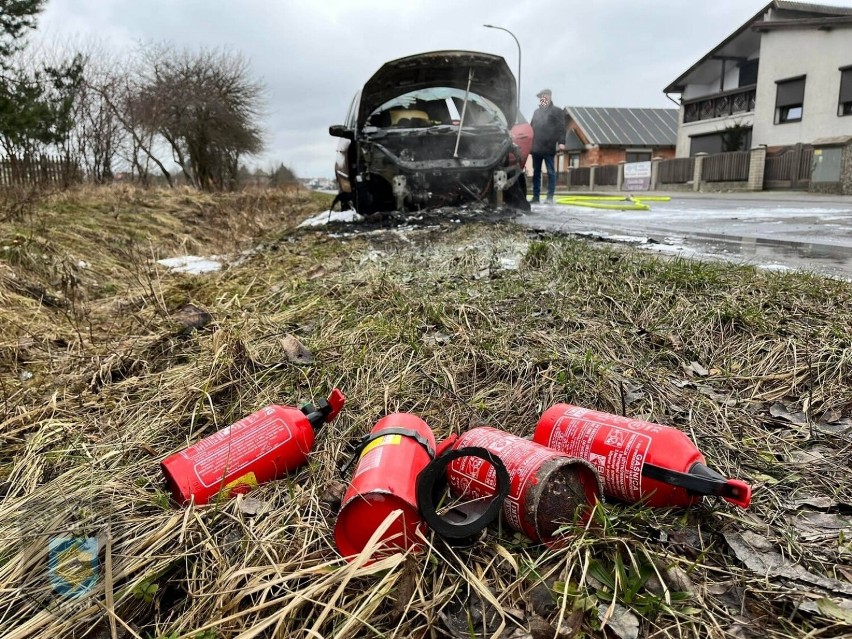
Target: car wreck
pixel 431 130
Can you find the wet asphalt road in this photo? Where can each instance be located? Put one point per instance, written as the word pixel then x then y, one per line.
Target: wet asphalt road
pixel 778 231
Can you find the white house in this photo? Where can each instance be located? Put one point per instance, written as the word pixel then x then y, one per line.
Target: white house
pixel 784 77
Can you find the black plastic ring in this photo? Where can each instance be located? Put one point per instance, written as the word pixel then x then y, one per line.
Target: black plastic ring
pixel 475 517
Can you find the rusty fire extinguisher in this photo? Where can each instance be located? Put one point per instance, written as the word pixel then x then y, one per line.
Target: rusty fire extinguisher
pixel 638 460
pixel 548 488
pixel 261 447
pixel 400 468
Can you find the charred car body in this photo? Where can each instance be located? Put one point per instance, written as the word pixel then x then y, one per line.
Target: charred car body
pixel 434 129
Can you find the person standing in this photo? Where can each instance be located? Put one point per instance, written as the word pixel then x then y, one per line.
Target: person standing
pixel 548 124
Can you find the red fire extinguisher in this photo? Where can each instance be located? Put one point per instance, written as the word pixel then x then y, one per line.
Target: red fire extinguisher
pixel 261 447
pixel 401 469
pixel 548 488
pixel 390 458
pixel 638 461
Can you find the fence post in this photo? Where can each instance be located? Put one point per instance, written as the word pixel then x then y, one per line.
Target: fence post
pixel 561 168
pixel 619 180
pixel 757 167
pixel 846 170
pixel 797 162
pixel 655 173
pixel 592 177
pixel 698 171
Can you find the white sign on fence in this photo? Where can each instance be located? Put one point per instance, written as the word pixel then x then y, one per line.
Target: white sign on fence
pixel 637 176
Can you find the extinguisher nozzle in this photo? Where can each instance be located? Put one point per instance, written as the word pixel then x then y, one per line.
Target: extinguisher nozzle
pixel 701 480
pixel 738 493
pixel 336 400
pixel 326 410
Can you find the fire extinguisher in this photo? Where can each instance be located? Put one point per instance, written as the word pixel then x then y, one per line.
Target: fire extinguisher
pixel 261 447
pixel 638 460
pixel 400 468
pixel 548 488
pixel 389 459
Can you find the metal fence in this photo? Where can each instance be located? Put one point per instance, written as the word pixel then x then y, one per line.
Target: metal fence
pixel 41 171
pixel 580 176
pixel 676 171
pixel 606 175
pixel 726 167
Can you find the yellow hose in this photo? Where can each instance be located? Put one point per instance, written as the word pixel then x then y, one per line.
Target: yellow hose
pixel 613 202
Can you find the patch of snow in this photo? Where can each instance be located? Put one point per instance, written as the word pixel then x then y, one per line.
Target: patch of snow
pixel 191 264
pixel 775 267
pixel 326 217
pixel 510 263
pixel 372 256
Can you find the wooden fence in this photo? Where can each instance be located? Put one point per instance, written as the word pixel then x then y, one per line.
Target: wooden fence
pixel 676 171
pixel 580 176
pixel 726 167
pixel 606 175
pixel 789 169
pixel 41 171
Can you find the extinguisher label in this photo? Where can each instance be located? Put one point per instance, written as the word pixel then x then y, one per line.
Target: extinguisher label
pixel 617 453
pixel 371 456
pixel 521 461
pixel 234 448
pixel 241 484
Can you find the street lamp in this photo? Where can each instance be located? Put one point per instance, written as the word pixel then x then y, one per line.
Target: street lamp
pixel 491 26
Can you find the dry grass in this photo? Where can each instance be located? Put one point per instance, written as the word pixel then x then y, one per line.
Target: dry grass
pixel 437 321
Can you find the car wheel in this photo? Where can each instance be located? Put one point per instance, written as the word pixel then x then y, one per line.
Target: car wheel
pixel 364 201
pixel 372 196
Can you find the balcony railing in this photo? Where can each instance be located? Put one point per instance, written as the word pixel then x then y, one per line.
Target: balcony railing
pixel 720 105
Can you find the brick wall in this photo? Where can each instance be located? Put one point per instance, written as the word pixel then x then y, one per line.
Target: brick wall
pixel 611 155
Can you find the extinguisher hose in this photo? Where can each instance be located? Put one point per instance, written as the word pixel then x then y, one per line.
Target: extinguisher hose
pixel 701 480
pixel 461 523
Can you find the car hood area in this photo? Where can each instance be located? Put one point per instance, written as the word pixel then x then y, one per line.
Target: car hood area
pixel 492 79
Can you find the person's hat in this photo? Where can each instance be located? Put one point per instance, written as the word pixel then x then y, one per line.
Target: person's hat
pixel 546 92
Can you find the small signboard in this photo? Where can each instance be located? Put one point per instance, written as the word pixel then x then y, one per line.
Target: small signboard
pixel 637 176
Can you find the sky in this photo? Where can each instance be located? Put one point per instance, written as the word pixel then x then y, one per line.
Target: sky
pixel 313 56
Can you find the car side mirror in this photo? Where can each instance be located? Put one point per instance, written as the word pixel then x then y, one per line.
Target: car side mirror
pixel 340 131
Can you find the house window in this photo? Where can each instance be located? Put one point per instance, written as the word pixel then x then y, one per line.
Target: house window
pixel 637 156
pixel 748 72
pixel 573 160
pixel 789 100
pixel 845 102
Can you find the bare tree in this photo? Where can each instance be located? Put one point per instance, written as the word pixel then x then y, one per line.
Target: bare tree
pixel 206 106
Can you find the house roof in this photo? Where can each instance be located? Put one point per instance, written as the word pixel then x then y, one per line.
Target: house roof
pixel 626 127
pixel 804 23
pixel 807 7
pixel 729 46
pixel 573 141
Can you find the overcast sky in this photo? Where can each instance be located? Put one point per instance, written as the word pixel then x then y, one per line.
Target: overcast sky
pixel 313 56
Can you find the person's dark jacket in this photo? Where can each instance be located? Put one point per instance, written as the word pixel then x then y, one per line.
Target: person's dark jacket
pixel 548 125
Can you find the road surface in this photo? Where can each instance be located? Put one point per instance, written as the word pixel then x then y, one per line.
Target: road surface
pixel 782 231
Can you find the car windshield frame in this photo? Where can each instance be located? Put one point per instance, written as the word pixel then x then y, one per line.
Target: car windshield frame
pixel 409 99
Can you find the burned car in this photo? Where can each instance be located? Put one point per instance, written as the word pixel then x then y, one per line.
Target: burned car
pixel 434 129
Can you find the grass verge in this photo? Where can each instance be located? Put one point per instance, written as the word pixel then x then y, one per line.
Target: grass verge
pixel 105 370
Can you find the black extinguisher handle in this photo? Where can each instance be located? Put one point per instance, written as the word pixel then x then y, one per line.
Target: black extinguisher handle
pixel 702 480
pixel 460 524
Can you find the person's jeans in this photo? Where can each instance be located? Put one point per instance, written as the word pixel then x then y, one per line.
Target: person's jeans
pixel 551 175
